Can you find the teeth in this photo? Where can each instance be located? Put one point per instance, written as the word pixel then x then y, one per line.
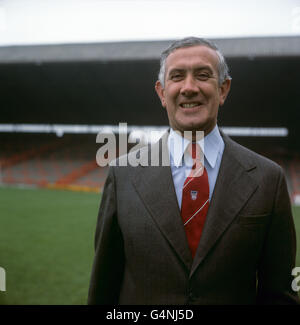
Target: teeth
pixel 190 105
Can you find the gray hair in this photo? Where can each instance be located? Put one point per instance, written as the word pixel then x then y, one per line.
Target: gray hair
pixel 223 69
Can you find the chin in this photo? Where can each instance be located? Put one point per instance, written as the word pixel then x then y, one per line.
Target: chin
pixel 192 126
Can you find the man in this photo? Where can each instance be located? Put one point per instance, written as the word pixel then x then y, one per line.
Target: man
pixel 241 250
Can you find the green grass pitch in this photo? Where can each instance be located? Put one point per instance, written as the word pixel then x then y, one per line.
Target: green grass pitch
pixel 47 245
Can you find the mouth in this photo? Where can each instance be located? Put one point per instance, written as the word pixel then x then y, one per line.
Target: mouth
pixel 190 105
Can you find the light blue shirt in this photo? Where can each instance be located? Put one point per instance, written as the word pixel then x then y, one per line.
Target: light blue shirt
pixel 212 146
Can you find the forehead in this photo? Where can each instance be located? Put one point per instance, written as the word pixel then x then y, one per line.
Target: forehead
pixel 193 57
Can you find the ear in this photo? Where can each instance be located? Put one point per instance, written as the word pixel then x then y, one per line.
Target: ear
pixel 160 92
pixel 224 91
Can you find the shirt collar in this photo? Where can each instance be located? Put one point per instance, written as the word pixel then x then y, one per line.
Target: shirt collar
pixel 211 146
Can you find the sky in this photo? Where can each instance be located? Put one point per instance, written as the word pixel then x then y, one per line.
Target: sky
pixel 85 21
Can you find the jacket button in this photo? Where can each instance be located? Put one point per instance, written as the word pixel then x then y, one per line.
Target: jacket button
pixel 191 296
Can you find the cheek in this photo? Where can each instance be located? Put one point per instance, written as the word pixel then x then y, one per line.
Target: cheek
pixel 214 99
pixel 172 92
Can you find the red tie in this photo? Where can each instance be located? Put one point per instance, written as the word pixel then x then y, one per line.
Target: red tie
pixel 195 199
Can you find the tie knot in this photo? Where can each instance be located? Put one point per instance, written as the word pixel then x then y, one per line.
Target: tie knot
pixel 195 151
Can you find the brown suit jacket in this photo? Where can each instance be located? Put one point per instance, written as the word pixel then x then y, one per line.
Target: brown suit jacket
pixel 245 255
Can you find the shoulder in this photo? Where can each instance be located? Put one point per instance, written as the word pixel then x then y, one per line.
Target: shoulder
pixel 151 154
pixel 248 158
pixel 132 159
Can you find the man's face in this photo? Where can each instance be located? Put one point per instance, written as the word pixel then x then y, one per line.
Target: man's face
pixel 192 94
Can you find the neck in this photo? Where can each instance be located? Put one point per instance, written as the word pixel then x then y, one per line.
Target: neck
pixel 194 135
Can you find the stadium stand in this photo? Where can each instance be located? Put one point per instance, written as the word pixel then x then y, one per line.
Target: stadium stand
pixel 107 83
pixel 69 162
pixel 43 160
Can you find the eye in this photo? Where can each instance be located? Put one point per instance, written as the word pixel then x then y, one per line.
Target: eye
pixel 203 76
pixel 176 77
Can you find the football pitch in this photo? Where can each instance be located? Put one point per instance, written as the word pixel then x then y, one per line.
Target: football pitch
pixel 47 245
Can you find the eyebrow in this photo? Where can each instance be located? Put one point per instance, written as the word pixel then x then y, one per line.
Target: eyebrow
pixel 176 70
pixel 205 68
pixel 181 70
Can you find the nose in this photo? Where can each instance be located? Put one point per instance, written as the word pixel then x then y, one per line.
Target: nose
pixel 189 87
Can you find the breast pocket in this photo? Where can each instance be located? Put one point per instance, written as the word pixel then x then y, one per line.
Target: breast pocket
pixel 255 219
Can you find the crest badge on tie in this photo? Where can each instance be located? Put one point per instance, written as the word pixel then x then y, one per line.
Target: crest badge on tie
pixel 194 195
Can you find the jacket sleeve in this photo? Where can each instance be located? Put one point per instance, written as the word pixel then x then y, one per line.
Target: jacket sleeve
pixel 279 253
pixel 108 266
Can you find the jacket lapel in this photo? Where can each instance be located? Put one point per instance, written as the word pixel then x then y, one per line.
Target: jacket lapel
pixel 232 189
pixel 155 187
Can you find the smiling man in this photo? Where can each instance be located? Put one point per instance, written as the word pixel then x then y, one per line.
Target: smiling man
pixel 215 228
pixel 191 89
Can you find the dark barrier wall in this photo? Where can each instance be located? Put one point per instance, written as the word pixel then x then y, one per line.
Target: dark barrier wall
pixel 264 93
